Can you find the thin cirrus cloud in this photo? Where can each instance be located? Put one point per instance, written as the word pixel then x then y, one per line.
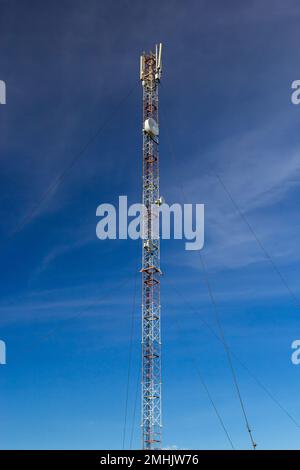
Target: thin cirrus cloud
pixel 260 169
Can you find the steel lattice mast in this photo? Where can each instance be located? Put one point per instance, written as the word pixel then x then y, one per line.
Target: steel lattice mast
pixel 150 72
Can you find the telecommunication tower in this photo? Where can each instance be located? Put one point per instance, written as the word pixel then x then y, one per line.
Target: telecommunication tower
pixel 150 74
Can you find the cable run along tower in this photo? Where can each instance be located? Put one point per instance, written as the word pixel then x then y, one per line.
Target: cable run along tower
pixel 150 73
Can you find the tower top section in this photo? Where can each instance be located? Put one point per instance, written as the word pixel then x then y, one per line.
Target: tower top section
pixel 154 59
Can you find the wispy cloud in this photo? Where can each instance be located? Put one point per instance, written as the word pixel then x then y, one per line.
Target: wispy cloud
pixel 260 169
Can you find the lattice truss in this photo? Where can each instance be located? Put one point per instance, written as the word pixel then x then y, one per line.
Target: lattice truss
pixel 151 335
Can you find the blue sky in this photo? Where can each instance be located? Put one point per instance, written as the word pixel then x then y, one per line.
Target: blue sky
pixel 66 298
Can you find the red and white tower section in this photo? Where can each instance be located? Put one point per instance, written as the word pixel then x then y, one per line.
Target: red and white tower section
pixel 150 74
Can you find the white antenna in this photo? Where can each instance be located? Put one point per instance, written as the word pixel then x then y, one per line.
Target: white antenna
pixel 142 67
pixel 158 53
pixel 159 56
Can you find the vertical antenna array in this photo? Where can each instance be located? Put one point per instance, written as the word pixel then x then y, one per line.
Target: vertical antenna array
pixel 150 73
